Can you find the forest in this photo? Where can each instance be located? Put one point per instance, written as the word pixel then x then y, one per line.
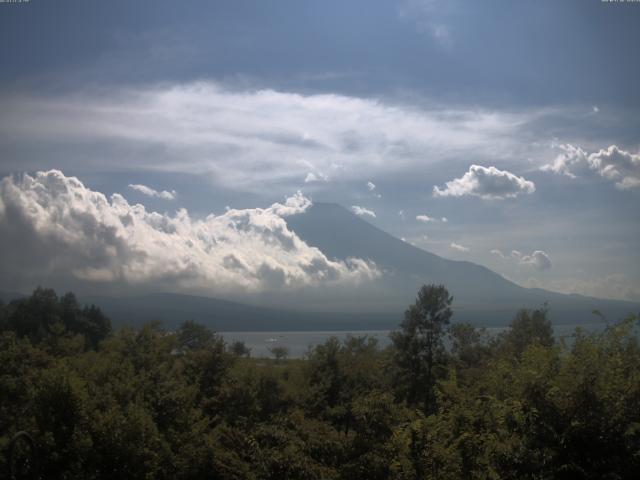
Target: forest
pixel 444 401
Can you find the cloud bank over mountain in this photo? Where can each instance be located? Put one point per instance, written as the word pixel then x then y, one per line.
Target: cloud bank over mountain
pixel 53 226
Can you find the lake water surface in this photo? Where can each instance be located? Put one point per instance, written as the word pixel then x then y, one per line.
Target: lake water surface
pixel 298 343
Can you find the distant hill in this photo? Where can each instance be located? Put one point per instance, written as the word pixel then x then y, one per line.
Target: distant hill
pixel 6 297
pixel 222 315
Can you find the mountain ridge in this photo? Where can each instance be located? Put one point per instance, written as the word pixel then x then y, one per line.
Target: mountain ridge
pixel 481 296
pixel 341 234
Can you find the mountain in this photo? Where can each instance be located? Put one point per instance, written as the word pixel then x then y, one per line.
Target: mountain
pixel 481 296
pixel 223 315
pixel 6 297
pixel 340 234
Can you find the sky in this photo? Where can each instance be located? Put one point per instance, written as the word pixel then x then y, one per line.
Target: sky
pixel 166 142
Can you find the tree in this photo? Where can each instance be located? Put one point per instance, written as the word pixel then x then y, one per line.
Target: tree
pixel 468 344
pixel 528 327
pixel 418 346
pixel 98 326
pixel 340 372
pixel 194 336
pixel 45 317
pixel 33 316
pixel 280 353
pixel 240 349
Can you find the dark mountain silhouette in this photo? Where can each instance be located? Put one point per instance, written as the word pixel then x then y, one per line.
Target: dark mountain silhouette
pixel 6 297
pixel 223 315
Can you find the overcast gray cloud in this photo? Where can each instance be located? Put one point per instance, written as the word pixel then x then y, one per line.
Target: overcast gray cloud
pixel 429 16
pixel 487 183
pixel 150 192
pixel 612 163
pixel 242 139
pixel 53 226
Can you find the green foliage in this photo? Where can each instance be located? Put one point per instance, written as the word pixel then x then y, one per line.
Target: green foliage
pixel 148 403
pixel 340 373
pixel 468 345
pixel 279 353
pixel 239 349
pixel 528 327
pixel 194 336
pixel 419 350
pixel 43 317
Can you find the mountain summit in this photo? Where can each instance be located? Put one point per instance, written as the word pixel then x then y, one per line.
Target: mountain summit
pixel 480 295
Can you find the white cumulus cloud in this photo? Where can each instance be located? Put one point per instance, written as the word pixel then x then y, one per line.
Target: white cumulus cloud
pixel 52 226
pixel 612 163
pixel 487 183
pixel 425 218
pixel 497 252
pixel 459 248
pixel 362 211
pixel 538 259
pixel 150 192
pixel 315 177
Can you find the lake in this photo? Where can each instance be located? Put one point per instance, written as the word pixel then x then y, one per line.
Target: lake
pixel 299 343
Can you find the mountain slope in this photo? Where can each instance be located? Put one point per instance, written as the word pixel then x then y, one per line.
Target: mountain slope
pixel 341 234
pixel 480 295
